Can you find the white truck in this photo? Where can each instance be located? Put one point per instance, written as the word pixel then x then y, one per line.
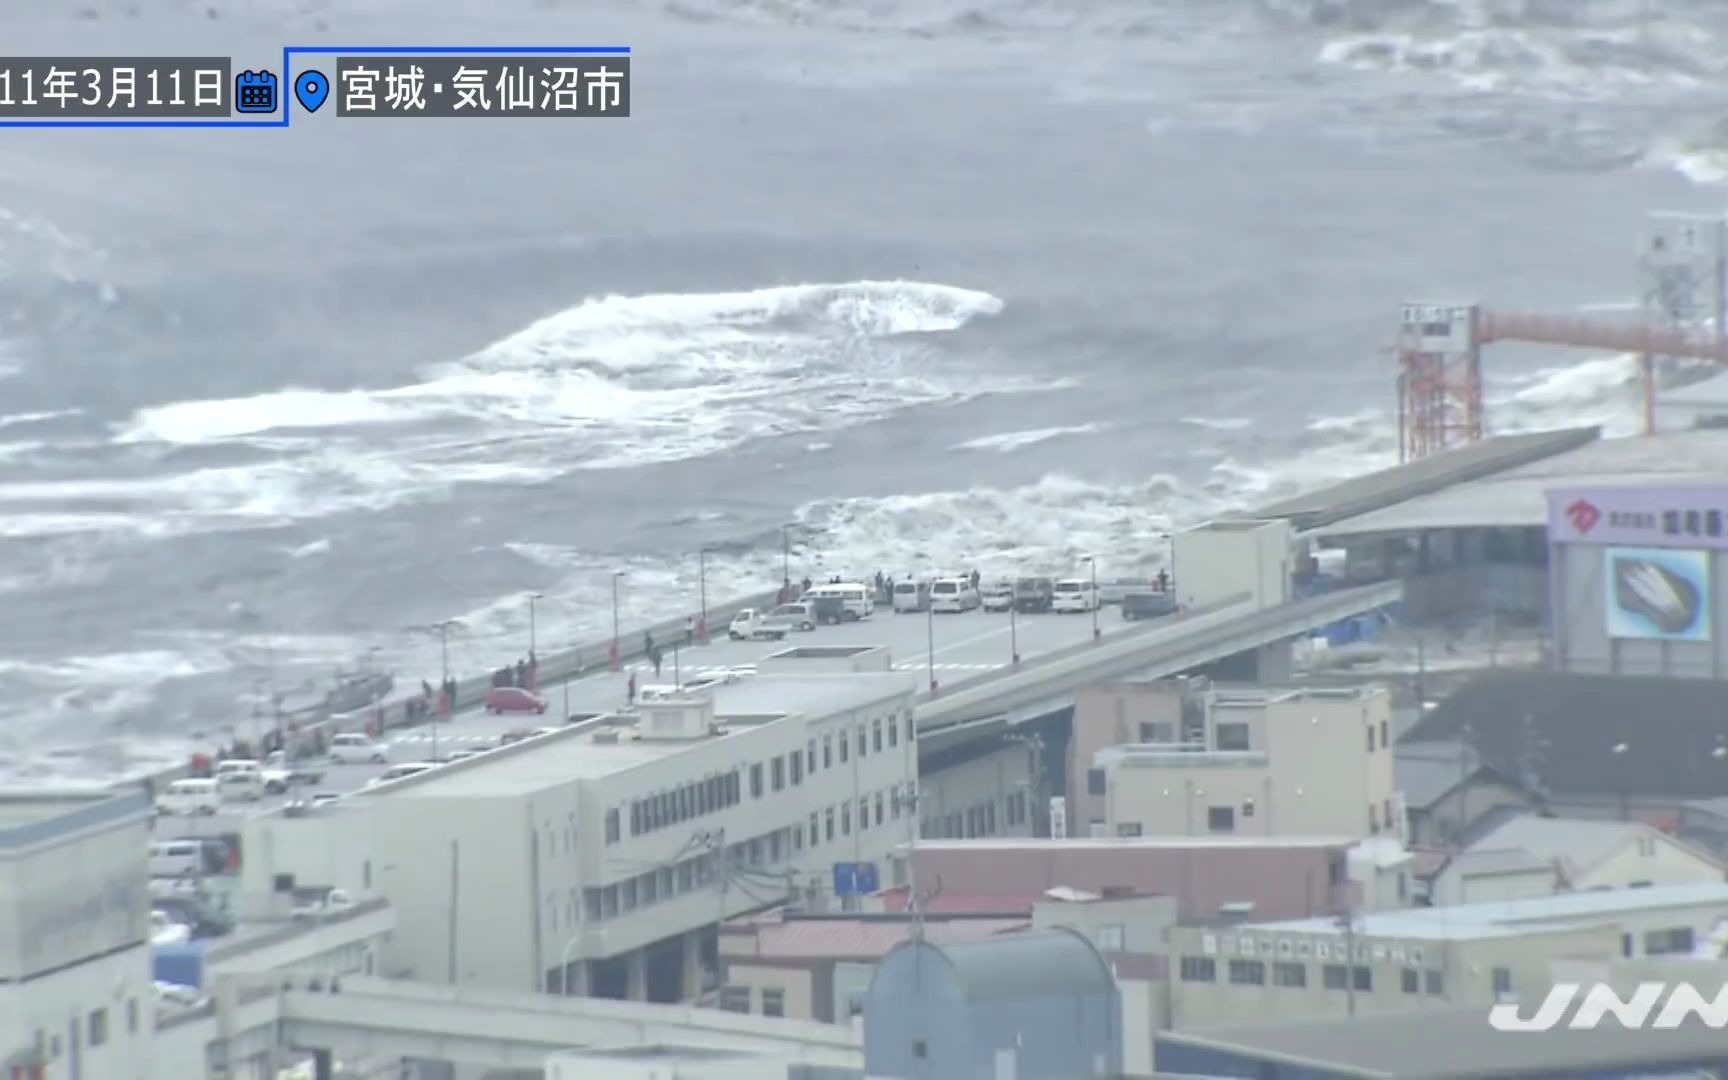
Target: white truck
pixel 752 625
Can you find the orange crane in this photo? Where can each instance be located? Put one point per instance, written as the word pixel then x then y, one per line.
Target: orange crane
pixel 1439 349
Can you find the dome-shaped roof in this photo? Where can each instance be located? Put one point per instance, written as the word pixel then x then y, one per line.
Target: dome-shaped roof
pixel 1058 962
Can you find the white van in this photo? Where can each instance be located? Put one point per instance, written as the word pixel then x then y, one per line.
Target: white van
pixel 176 858
pixel 857 601
pixel 910 596
pixel 953 595
pixel 190 796
pixel 354 748
pixel 1074 594
pixel 402 771
pixel 240 785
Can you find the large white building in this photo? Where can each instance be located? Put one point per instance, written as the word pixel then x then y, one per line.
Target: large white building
pixel 592 860
pixel 76 994
pixel 1315 761
pixel 1423 958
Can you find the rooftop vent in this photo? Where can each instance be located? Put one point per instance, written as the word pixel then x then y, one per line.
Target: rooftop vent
pixel 676 714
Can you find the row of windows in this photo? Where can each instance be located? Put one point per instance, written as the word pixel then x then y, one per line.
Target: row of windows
pixel 886 803
pixel 92 1029
pixel 668 809
pixel 737 999
pixel 1293 974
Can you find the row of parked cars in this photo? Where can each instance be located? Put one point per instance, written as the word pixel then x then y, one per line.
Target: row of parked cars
pixel 1027 595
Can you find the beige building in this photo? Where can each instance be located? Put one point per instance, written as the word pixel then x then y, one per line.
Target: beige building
pixel 1116 714
pixel 1469 955
pixel 1315 761
pixel 1537 856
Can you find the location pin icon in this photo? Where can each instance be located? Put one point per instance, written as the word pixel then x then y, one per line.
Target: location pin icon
pixel 311 88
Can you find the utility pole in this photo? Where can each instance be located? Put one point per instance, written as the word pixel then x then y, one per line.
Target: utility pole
pixel 1348 920
pixel 446 700
pixel 908 796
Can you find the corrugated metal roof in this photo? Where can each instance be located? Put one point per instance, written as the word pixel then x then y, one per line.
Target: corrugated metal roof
pixel 862 939
pixel 1401 483
pixel 1058 962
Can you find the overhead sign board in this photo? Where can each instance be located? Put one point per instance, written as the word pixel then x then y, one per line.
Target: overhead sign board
pixel 1440 327
pixel 1693 517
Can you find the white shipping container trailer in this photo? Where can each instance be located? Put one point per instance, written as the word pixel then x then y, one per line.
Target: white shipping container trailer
pixel 1221 559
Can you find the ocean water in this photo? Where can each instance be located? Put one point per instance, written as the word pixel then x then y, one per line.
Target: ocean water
pixel 942 285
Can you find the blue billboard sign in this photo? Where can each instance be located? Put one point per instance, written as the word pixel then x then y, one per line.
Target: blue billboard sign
pixel 1657 594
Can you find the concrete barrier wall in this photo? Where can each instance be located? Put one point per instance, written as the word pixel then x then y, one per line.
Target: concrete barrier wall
pixel 555 667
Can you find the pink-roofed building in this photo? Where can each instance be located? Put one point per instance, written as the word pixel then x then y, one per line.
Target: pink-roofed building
pixel 1258 877
pixel 809 967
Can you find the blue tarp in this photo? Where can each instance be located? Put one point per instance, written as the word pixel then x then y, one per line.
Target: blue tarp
pixel 182 965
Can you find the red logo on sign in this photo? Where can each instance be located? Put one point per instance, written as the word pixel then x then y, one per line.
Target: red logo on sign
pixel 1583 515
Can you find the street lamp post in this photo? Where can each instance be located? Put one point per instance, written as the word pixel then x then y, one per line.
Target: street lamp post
pixel 702 589
pixel 930 618
pixel 1619 751
pixel 445 701
pixel 1170 539
pixel 533 631
pixel 1014 632
pixel 616 658
pixel 1097 634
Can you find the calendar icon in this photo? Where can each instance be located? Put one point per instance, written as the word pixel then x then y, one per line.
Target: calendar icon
pixel 255 92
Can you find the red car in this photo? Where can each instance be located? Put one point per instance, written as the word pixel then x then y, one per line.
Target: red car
pixel 503 699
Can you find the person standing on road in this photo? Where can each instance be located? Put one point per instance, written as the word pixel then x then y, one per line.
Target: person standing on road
pixel 630 690
pixel 689 631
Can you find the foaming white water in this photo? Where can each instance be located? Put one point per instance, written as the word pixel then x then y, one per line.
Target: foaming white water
pixel 613 382
pixel 17 419
pixel 1010 441
pixel 1218 423
pixel 1706 166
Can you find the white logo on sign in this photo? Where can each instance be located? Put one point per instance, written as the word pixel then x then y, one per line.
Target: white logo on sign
pixel 1633 1013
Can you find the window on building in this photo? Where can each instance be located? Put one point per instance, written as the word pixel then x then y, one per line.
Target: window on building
pixel 920 1049
pixel 132 1016
pixel 846 818
pixel 893 732
pixel 98 1027
pixel 911 727
pixel 1248 806
pixel 777 770
pixel 828 751
pixel 1370 737
pixel 1674 940
pixel 1385 735
pixel 591 904
pixel 773 1001
pixel 1373 819
pixel 1412 980
pixel 735 998
pixel 1386 814
pixel 1435 983
pixel 863 813
pixel 810 756
pixel 1248 972
pixel 1128 828
pixel 863 741
pixel 1364 977
pixel 989 819
pixel 612 830
pixel 1286 973
pixel 756 780
pixel 829 822
pixel 845 746
pixel 879 808
pixel 1502 981
pixel 1231 736
pixel 1335 977
pixel 876 733
pixel 1096 782
pixel 1199 969
pixel 1221 819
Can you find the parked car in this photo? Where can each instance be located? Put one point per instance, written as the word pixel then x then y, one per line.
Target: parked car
pixel 911 596
pixel 191 796
pixel 1034 595
pixel 1147 605
pixel 353 748
pixel 952 595
pixel 798 616
pixel 997 596
pixel 1075 594
pixel 244 782
pixel 503 699
pixel 280 774
pixel 176 858
pixel 312 902
pixel 751 625
pixel 165 931
pixel 197 916
pixel 402 771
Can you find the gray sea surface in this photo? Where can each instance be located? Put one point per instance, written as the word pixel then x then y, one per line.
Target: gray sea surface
pixel 947 285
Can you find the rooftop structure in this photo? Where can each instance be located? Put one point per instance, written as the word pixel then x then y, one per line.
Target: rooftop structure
pixel 1434 1044
pixel 1514 494
pixel 1506 918
pixel 1405 483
